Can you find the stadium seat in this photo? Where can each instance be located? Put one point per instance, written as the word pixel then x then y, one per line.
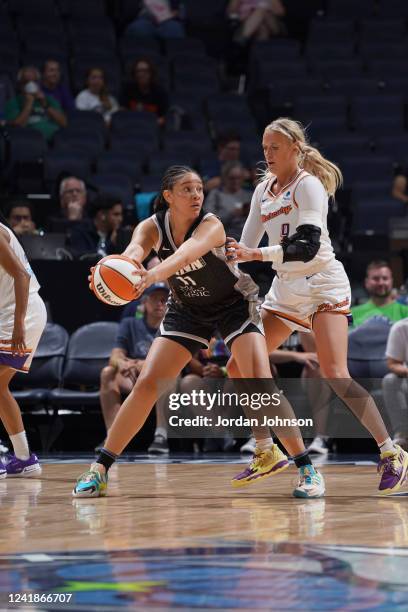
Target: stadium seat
pixel 359 168
pixel 336 69
pixel 39 8
pixel 345 8
pixel 367 109
pixel 336 51
pixel 26 144
pixel 323 31
pixel 355 86
pixel 366 349
pixel 395 147
pixel 119 163
pixel 83 141
pixel 118 185
pixel 80 9
pixel 373 50
pixel 88 352
pixel 392 8
pixel 46 369
pixel 381 30
pixel 57 163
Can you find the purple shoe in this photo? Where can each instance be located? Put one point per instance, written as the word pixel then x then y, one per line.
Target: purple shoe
pixel 19 468
pixel 393 467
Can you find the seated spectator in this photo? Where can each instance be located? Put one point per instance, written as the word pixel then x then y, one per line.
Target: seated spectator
pixel 72 195
pixel 32 107
pixel 228 149
pixel 258 19
pixel 379 286
pixel 100 235
pixel 20 218
pixel 399 189
pixel 143 93
pixel 96 96
pixel 133 342
pixel 395 384
pixel 158 18
pixel 52 85
pixel 230 202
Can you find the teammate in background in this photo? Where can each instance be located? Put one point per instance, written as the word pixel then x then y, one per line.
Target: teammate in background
pixel 311 288
pixel 208 295
pixel 22 320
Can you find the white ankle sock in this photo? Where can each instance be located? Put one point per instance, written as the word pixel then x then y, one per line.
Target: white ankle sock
pixel 20 445
pixel 387 445
pixel 160 431
pixel 264 444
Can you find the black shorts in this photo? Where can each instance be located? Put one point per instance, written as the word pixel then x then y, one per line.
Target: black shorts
pixel 194 333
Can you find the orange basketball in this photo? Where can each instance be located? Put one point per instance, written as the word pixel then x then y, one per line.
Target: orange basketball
pixel 113 280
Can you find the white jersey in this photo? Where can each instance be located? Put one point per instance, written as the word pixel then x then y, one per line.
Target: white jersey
pixel 7 297
pixel 302 201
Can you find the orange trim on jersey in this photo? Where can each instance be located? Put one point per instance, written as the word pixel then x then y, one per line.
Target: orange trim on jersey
pixel 294 191
pixel 284 315
pixel 286 186
pixel 6 350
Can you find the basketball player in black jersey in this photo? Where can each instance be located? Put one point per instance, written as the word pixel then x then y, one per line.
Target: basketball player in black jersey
pixel 208 294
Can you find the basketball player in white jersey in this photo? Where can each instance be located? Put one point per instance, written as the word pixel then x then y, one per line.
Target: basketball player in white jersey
pixel 311 289
pixel 22 320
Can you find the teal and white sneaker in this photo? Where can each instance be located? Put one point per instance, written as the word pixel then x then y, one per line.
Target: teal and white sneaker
pixel 91 484
pixel 311 483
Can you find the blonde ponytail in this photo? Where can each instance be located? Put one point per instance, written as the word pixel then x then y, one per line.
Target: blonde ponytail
pixel 309 157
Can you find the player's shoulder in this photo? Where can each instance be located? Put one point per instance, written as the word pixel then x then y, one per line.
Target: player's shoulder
pixel 307 180
pixel 260 190
pixel 402 324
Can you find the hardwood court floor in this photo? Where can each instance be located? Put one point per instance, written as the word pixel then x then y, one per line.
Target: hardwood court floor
pixel 165 505
pixel 177 536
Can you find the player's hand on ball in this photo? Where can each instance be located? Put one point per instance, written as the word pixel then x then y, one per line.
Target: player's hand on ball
pixel 91 287
pixel 140 281
pixel 237 252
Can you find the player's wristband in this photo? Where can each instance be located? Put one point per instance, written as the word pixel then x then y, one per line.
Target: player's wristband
pixel 272 253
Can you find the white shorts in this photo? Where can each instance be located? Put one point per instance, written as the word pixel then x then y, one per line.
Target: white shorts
pixel 35 321
pixel 295 301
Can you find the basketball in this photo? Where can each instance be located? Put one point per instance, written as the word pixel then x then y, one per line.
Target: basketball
pixel 113 280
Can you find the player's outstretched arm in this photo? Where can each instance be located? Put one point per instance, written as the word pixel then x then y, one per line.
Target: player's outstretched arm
pixel 209 235
pixel 143 240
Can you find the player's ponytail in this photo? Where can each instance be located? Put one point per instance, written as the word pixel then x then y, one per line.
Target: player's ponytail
pixel 171 176
pixel 309 157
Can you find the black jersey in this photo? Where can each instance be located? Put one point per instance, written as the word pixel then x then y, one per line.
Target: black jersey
pixel 210 283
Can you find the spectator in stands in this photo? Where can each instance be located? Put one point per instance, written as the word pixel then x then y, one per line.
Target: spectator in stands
pixel 379 286
pixel 32 107
pixel 100 235
pixel 395 384
pixel 258 19
pixel 228 149
pixel 400 186
pixel 143 93
pixel 20 218
pixel 133 342
pixel 158 18
pixel 230 201
pixel 73 199
pixel 96 96
pixel 52 85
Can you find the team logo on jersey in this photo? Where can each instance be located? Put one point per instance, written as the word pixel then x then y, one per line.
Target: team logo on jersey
pixel 283 210
pixel 326 307
pixel 196 265
pixel 286 196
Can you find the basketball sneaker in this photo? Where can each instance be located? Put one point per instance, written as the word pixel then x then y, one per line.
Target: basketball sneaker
pixel 91 484
pixel 393 467
pixel 249 447
pixel 159 446
pixel 264 464
pixel 311 483
pixel 318 446
pixel 21 468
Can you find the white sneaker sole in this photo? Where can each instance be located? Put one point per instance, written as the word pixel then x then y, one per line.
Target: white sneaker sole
pixel 31 471
pixel 3 474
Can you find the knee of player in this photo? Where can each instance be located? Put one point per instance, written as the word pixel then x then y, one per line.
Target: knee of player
pixel 108 375
pixel 334 371
pixel 390 380
pixel 232 368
